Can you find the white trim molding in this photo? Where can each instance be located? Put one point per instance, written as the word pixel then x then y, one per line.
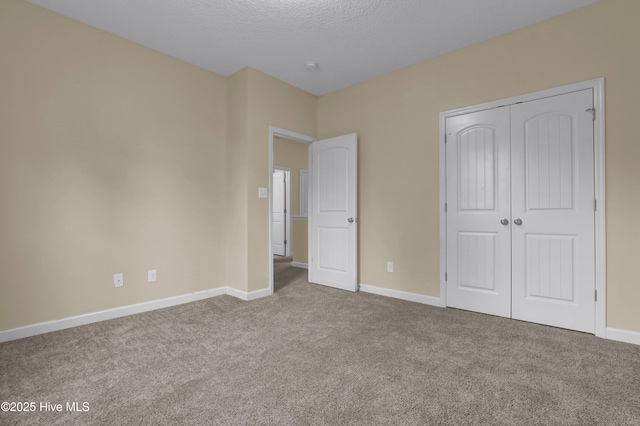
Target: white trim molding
pixel 632 337
pixel 61 324
pixel 600 214
pixel 626 336
pixel 403 295
pixel 253 295
pixel 299 217
pixel 300 265
pixel 304 192
pixel 597 86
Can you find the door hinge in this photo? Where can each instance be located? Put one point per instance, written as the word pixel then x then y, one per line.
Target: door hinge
pixel 593 113
pixel 595 205
pixel 445 207
pixel 285 210
pixel 596 295
pixel 285 241
pixel 446 276
pixel 445 138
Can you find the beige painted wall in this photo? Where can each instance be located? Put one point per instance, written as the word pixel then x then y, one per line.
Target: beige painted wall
pixel 396 118
pixel 112 160
pixel 237 176
pixel 294 155
pixel 115 158
pixel 271 103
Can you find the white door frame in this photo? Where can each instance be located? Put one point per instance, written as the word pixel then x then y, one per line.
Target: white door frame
pixel 599 156
pixel 287 206
pixel 286 134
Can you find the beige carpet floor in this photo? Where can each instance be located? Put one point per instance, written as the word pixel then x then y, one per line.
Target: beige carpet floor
pixel 311 355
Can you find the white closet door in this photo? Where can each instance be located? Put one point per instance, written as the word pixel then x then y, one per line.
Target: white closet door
pixel 553 211
pixel 478 212
pixel 278 214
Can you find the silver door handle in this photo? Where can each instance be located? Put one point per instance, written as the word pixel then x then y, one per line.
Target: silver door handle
pixel 504 221
pixel 351 220
pixel 518 221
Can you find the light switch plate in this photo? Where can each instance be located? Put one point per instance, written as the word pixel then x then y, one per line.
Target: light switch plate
pixel 118 280
pixel 262 192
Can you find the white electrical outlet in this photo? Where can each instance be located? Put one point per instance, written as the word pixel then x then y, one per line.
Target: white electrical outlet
pixel 151 275
pixel 118 280
pixel 389 266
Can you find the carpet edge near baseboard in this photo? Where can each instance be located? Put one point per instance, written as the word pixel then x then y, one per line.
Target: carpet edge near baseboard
pixel 626 336
pixel 93 317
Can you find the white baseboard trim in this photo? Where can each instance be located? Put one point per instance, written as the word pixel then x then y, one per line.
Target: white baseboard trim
pixel 236 293
pixel 623 336
pixel 61 324
pixel 626 336
pixel 403 295
pixel 46 327
pixel 259 294
pixel 300 265
pixel 243 295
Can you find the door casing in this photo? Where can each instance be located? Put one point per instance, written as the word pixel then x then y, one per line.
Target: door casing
pixel 597 86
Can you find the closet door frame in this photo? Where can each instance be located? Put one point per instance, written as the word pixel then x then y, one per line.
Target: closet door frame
pixel 597 86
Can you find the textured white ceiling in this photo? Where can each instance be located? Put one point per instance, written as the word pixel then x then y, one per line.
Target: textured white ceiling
pixel 352 40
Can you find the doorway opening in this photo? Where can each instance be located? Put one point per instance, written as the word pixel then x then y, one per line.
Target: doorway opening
pixel 288 213
pixel 332 201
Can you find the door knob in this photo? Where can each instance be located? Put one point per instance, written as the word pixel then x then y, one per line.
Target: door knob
pixel 504 221
pixel 350 220
pixel 518 221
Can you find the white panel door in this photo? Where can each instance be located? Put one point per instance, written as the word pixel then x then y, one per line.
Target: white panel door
pixel 333 212
pixel 478 212
pixel 278 217
pixel 553 211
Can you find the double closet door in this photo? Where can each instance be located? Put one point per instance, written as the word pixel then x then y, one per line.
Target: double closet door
pixel 520 211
